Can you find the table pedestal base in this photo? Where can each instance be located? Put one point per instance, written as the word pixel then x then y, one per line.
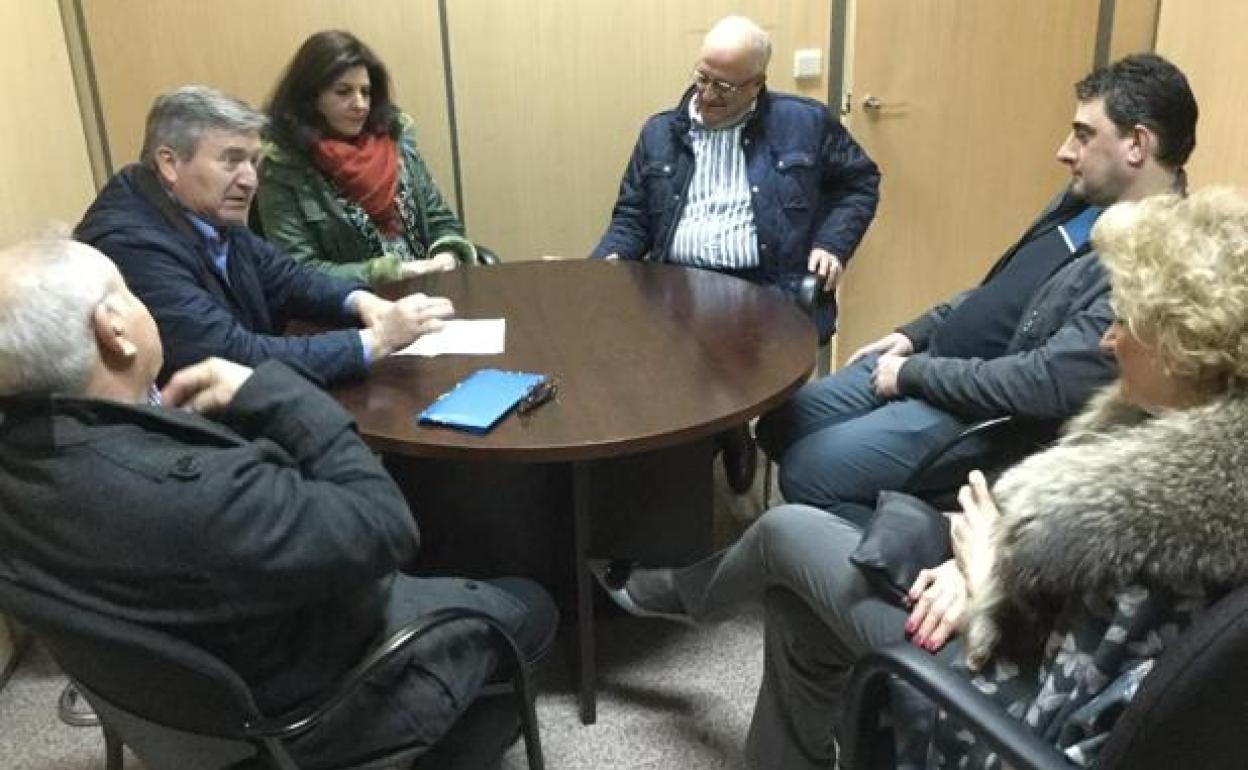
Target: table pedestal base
pixel 544 520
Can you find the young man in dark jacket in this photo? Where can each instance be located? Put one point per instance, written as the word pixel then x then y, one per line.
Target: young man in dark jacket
pixel 1023 343
pixel 243 514
pixel 176 225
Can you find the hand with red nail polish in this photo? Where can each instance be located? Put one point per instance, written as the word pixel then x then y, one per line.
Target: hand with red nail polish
pixel 940 599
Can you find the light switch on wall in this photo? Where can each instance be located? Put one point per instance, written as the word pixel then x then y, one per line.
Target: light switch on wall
pixel 807 63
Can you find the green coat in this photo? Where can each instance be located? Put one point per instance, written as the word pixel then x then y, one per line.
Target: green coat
pixel 303 212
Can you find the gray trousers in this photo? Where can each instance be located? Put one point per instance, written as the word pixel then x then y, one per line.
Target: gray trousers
pixel 821 616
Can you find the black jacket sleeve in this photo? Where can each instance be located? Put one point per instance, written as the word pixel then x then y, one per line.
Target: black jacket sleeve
pixel 195 324
pixel 1051 381
pixel 851 182
pixel 297 290
pixel 305 509
pixel 630 233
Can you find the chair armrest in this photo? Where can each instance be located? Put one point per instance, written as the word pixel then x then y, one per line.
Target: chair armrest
pixel 931 458
pixel 810 294
pixel 486 255
pixel 1013 741
pixel 301 720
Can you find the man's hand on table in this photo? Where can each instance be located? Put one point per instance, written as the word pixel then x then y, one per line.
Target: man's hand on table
pixel 395 325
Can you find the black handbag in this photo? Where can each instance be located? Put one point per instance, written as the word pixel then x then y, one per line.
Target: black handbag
pixel 903 537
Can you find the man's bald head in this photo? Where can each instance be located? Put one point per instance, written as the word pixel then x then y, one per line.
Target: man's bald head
pixel 740 36
pixel 59 300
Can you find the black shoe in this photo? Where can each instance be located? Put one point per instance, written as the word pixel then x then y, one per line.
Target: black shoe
pixel 74 710
pixel 740 456
pixel 615 577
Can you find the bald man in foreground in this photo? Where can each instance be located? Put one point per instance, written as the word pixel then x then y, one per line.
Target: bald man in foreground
pixel 761 185
pixel 236 510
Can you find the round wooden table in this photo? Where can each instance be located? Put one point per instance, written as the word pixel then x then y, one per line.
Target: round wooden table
pixel 649 358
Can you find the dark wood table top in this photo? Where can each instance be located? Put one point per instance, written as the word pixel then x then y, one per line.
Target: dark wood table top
pixel 648 356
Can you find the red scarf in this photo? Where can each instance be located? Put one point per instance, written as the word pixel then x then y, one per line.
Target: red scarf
pixel 366 169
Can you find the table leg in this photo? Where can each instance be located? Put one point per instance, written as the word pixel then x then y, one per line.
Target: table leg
pixel 586 670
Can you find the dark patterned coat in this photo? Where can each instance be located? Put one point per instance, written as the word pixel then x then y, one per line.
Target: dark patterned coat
pixel 1109 544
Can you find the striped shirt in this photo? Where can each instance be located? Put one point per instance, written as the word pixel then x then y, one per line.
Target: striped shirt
pixel 716 228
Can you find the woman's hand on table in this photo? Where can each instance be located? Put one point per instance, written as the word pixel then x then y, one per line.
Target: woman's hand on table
pixel 442 262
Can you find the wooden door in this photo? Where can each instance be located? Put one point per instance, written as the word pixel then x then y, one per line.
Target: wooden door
pixel 1205 40
pixel 974 97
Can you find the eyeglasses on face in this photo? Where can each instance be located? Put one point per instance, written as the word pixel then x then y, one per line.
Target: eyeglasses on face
pixel 704 82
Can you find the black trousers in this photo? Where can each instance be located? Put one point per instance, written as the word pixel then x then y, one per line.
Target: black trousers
pixel 430 696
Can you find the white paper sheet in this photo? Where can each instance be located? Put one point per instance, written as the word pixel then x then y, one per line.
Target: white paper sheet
pixel 460 336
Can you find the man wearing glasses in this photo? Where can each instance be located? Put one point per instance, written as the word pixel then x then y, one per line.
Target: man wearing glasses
pixel 764 186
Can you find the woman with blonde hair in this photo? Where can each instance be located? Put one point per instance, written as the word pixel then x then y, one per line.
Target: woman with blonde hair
pixel 342 185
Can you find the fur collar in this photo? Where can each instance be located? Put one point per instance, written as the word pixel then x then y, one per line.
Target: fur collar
pixel 1122 499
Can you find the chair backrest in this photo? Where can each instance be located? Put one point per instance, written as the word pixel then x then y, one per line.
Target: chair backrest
pixel 1192 709
pixel 144 671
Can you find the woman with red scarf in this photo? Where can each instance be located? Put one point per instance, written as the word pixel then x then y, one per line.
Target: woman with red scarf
pixel 341 183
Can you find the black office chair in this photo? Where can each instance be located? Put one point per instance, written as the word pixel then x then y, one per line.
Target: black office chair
pixel 486 255
pixel 812 299
pixel 177 706
pixel 1190 712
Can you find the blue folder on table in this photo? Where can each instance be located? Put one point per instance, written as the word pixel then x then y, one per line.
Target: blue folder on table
pixel 480 400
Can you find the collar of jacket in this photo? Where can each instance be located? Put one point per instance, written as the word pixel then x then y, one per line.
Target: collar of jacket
pixel 753 125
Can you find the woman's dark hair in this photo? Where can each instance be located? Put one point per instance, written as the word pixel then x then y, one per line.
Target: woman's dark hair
pixel 293 117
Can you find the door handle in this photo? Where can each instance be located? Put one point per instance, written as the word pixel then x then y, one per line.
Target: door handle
pixel 872 103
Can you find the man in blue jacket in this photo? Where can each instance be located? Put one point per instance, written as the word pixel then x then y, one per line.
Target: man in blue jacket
pixel 765 186
pixel 175 224
pixel 762 185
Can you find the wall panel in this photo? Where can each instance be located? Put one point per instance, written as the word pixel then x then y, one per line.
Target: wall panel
pixel 143 47
pixel 1135 27
pixel 550 97
pixel 1206 40
pixel 43 150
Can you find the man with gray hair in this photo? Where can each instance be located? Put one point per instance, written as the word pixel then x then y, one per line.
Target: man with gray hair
pixel 175 224
pixel 244 515
pixel 753 183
